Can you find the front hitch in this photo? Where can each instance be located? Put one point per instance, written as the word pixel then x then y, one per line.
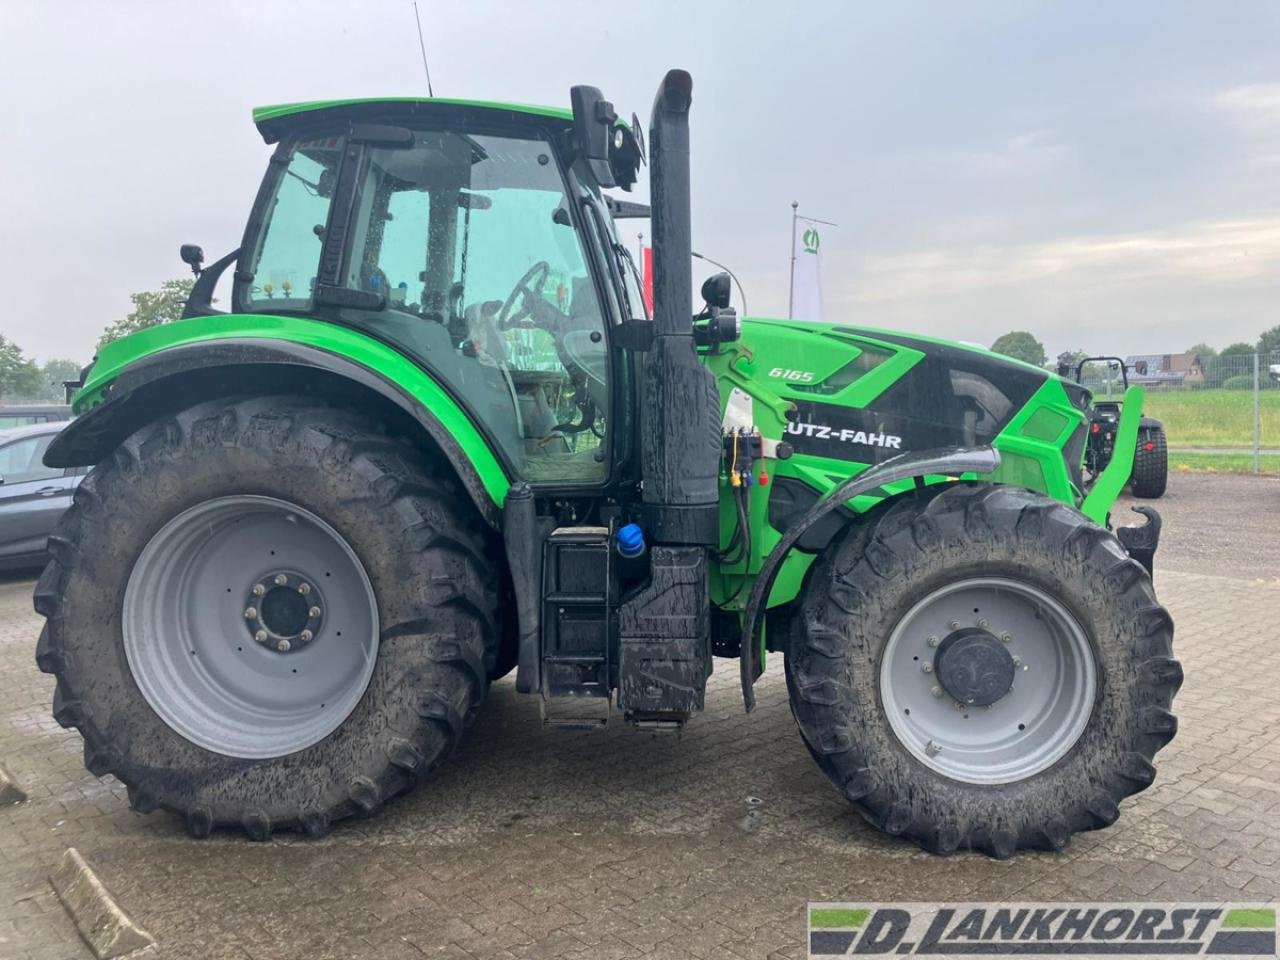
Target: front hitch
pixel 1141 542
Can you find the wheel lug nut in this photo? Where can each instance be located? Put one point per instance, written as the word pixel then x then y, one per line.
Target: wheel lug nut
pixel 305 636
pixel 251 613
pixel 261 636
pixel 953 624
pixel 936 691
pixel 933 641
pixel 1007 637
pixel 313 612
pixel 259 589
pixel 927 667
pixel 1017 661
pixel 281 579
pixel 283 646
pixel 983 622
pixel 304 588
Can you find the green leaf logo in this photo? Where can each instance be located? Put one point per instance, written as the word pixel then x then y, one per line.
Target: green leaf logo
pixel 811 240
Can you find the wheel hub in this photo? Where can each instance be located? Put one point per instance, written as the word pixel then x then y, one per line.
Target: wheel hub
pixel 974 667
pixel 284 611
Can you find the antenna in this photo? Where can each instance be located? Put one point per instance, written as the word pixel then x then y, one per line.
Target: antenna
pixel 423 47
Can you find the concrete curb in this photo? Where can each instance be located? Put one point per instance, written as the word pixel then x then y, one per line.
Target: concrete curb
pixel 107 929
pixel 10 792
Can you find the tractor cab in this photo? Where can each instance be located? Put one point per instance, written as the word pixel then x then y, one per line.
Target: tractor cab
pixel 472 237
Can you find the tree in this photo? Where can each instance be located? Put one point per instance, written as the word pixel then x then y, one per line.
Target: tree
pixel 1233 361
pixel 52 375
pixel 19 376
pixel 1203 351
pixel 150 309
pixel 1021 346
pixel 1269 344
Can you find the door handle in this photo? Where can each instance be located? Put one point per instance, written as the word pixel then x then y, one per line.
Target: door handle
pixel 48 491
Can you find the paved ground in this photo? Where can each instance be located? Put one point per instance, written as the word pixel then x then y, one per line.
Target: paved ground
pixel 1218 523
pixel 614 845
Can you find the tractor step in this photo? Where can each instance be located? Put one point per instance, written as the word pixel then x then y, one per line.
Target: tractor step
pixel 659 723
pixel 579 595
pixel 575 713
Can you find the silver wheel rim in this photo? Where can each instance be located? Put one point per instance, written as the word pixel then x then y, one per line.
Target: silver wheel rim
pixel 250 626
pixel 1025 731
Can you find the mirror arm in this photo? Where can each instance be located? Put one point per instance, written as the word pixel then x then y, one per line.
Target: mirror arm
pixel 200 301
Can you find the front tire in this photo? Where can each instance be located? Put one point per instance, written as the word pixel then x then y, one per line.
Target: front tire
pixel 268 614
pixel 1016 580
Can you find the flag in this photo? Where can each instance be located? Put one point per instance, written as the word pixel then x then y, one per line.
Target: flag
pixel 806 271
pixel 646 276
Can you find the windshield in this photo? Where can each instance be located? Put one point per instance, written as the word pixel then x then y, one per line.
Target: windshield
pixel 463 251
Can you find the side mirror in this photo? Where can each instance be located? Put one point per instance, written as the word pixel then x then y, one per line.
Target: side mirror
pixel 192 256
pixel 716 290
pixel 593 120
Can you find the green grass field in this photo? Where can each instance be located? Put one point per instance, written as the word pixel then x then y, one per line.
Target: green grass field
pixel 1215 418
pixel 1222 463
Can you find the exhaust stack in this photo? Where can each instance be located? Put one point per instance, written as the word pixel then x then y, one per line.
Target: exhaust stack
pixel 680 405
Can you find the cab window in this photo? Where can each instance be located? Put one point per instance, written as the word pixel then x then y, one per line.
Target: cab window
pixel 470 242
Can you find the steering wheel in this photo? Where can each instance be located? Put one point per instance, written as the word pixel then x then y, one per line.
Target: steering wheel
pixel 523 289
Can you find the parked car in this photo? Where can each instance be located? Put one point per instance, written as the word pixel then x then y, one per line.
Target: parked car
pixel 1274 371
pixel 32 496
pixel 21 414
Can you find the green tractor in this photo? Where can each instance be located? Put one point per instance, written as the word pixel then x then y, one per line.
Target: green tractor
pixel 437 438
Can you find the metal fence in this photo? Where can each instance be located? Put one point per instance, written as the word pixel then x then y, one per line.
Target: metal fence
pixel 1220 412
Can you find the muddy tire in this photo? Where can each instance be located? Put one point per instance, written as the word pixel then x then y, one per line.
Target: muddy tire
pixel 929 611
pixel 1150 466
pixel 205 712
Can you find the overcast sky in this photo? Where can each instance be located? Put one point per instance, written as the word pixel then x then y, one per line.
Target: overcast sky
pixel 1105 175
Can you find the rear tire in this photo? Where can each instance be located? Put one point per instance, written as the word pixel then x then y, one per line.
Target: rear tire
pixel 1150 467
pixel 1005 787
pixel 412 536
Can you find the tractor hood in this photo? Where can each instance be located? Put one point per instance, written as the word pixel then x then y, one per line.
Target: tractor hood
pixel 865 395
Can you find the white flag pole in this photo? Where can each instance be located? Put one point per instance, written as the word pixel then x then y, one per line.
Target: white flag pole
pixel 807 275
pixel 791 283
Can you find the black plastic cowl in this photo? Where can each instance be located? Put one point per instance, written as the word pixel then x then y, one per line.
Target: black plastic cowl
pixel 680 405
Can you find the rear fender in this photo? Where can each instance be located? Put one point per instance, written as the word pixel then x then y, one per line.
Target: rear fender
pixel 150 375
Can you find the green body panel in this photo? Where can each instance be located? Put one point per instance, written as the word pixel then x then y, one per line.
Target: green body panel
pixel 331 338
pixel 277 110
pixel 1112 480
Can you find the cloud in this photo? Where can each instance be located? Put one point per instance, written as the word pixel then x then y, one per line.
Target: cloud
pixel 1221 252
pixel 1252 107
pixel 1157 290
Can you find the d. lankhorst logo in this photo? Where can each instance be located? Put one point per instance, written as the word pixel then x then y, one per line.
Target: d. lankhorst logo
pixel 1040 929
pixel 811 239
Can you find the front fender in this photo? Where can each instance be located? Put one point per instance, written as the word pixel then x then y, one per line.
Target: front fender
pixel 144 376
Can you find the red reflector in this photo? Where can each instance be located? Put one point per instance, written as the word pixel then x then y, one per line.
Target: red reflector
pixel 1150 447
pixel 1096 428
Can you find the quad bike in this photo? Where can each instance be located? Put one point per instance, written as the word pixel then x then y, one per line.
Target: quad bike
pixel 437 438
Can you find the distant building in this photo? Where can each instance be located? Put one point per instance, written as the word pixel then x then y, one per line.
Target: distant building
pixel 1173 369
